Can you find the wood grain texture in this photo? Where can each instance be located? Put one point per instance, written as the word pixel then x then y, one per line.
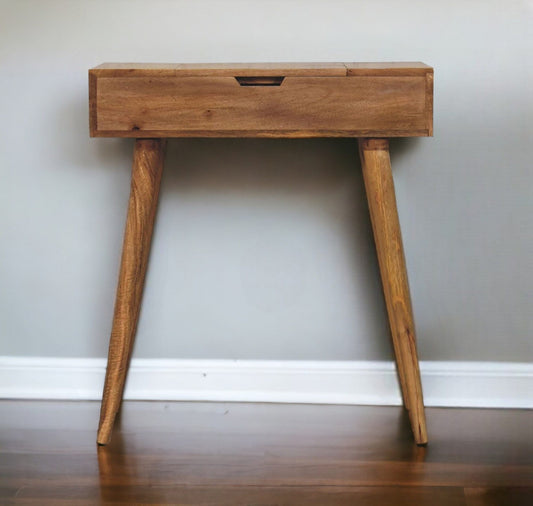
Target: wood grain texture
pixel 499 496
pixel 429 103
pixel 379 186
pixel 243 453
pixel 309 69
pixel 243 496
pixel 147 169
pixel 313 100
pixel 387 69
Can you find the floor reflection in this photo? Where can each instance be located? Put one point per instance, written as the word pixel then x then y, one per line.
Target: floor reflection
pixel 117 467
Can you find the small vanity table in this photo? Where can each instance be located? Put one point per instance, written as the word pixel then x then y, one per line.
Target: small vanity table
pixel 368 101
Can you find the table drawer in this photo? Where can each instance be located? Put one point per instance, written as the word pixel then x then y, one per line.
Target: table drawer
pixel 261 106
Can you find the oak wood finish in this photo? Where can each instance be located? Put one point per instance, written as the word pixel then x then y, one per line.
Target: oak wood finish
pixel 147 169
pixel 261 69
pixel 311 100
pixel 264 454
pixel 379 184
pixel 154 101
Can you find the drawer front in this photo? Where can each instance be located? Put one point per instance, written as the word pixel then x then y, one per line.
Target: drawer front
pixel 358 106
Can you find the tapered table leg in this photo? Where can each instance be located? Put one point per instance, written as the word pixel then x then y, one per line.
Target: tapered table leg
pixel 385 223
pixel 147 168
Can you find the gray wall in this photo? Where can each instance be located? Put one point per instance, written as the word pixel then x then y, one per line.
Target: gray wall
pixel 263 247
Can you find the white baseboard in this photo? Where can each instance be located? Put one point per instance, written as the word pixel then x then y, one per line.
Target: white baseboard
pixel 452 384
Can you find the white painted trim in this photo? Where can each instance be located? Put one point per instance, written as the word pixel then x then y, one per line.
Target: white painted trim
pixel 453 384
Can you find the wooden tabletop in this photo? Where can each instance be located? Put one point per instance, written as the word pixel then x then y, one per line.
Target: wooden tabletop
pixel 335 69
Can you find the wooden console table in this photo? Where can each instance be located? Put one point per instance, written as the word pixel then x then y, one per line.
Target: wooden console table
pixel 369 101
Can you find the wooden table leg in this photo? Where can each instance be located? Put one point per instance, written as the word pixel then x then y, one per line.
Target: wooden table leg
pixel 385 223
pixel 148 157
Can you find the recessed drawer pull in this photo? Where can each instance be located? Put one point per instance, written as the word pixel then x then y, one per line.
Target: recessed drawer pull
pixel 260 80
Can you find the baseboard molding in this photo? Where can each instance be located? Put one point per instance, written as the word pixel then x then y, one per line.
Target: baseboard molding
pixel 451 384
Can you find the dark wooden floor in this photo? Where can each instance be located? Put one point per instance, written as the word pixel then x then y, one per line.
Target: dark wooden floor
pixel 263 454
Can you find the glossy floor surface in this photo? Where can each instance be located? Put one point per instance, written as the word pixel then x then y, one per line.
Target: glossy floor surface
pixel 262 454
